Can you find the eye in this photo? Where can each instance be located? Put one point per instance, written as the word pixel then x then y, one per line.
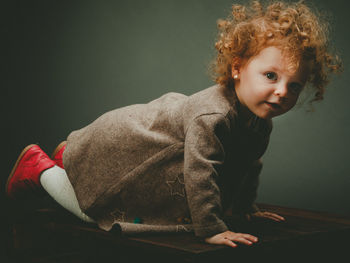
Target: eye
pixel 271 76
pixel 295 87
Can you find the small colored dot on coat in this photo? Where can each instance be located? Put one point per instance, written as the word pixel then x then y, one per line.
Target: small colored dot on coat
pixel 187 220
pixel 137 220
pixel 183 220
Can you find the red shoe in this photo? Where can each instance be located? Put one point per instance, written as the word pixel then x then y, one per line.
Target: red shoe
pixel 57 154
pixel 24 177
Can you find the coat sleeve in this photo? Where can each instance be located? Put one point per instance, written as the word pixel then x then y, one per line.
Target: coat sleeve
pixel 204 154
pixel 244 202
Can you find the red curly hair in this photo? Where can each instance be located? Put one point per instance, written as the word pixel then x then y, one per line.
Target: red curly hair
pixel 293 27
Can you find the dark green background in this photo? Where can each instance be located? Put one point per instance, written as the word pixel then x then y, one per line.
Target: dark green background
pixel 67 62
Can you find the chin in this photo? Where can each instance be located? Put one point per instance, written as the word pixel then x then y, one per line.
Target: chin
pixel 264 115
pixel 267 115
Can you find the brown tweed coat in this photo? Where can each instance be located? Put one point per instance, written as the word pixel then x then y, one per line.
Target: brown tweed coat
pixel 173 164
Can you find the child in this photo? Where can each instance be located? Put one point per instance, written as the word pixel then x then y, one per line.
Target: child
pixel 178 163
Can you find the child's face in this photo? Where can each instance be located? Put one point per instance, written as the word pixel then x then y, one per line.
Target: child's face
pixel 266 87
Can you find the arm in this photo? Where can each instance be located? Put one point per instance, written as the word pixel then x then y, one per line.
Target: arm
pixel 244 201
pixel 204 154
pixel 248 193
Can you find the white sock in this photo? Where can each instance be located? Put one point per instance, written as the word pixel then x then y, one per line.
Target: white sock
pixel 56 183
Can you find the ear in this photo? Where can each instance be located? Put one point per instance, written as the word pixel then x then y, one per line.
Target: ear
pixel 235 73
pixel 235 69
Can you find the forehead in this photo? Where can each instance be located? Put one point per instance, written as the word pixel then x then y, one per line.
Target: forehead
pixel 269 56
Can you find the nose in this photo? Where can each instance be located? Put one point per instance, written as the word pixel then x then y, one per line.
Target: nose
pixel 281 90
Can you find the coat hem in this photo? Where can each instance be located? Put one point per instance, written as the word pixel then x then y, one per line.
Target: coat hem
pixel 210 230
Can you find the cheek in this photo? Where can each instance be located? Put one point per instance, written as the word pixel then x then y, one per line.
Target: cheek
pixel 263 92
pixel 248 84
pixel 247 78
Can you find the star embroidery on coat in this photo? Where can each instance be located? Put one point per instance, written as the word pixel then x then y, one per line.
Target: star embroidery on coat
pixel 118 215
pixel 176 187
pixel 181 228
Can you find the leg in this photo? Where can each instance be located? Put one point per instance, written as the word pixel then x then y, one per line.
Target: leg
pixel 56 183
pixel 34 170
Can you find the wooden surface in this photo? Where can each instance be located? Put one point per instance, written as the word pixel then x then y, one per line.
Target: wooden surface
pixel 53 235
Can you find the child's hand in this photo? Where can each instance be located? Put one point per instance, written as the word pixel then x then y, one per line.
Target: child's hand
pixel 227 238
pixel 267 215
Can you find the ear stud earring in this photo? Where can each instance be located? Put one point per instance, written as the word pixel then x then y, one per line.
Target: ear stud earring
pixel 235 76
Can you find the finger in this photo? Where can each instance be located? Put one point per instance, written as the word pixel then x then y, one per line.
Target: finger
pixel 280 217
pixel 272 218
pixel 229 243
pixel 276 217
pixel 250 237
pixel 243 241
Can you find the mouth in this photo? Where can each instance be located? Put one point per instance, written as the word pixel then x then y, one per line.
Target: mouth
pixel 274 106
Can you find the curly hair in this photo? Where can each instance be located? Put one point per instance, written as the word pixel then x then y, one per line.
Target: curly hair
pixel 293 27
